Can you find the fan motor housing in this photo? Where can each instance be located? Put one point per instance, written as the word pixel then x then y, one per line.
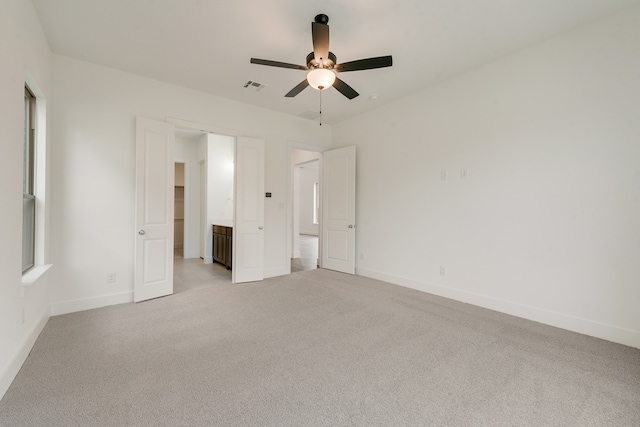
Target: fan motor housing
pixel 329 62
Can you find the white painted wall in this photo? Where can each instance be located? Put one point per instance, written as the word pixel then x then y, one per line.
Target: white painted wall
pixel 221 156
pixel 219 152
pixel 24 57
pixel 546 226
pixel 93 184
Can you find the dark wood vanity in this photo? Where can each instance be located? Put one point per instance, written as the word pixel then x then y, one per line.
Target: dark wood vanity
pixel 222 245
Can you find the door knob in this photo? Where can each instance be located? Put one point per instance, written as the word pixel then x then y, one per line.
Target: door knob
pixel 351 226
pixel 260 227
pixel 141 232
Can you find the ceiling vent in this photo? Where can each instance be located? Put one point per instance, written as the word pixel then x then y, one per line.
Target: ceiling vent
pixel 253 85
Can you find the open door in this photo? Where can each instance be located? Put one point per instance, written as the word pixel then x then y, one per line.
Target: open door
pixel 339 210
pixel 153 275
pixel 248 231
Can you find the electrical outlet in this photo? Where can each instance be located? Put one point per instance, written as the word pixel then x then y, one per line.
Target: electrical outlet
pixel 443 175
pixel 443 270
pixel 111 277
pixel 464 173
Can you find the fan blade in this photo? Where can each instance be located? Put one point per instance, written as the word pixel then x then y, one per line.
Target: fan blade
pixel 277 64
pixel 296 90
pixel 345 89
pixel 365 64
pixel 320 33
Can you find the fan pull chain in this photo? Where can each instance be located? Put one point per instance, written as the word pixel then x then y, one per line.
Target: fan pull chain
pixel 320 107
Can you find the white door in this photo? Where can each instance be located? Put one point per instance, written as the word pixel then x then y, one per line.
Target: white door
pixel 154 209
pixel 339 210
pixel 248 231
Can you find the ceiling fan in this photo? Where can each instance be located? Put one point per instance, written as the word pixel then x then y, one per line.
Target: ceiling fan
pixel 321 64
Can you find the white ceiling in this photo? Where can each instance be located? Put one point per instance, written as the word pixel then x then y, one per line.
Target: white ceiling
pixel 206 44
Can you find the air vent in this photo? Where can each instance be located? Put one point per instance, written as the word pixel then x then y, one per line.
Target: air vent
pixel 253 85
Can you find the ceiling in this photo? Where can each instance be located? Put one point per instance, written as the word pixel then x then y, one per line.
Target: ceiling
pixel 206 44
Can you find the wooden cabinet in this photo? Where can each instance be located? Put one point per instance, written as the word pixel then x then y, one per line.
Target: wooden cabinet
pixel 222 240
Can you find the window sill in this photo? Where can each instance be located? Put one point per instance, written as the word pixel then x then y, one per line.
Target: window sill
pixel 32 276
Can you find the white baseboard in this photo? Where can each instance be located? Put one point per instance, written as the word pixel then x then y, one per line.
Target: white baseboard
pixel 559 320
pixel 208 260
pixel 9 373
pixel 90 303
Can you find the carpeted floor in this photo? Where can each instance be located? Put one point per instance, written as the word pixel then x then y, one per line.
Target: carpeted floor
pixel 317 348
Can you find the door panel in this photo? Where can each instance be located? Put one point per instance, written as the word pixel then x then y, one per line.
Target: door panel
pixel 248 258
pixel 155 270
pixel 154 209
pixel 339 211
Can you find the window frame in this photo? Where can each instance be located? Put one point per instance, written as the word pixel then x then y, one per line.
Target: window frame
pixel 29 182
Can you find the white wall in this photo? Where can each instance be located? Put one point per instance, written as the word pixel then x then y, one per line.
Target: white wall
pixel 546 226
pixel 24 57
pixel 218 152
pixel 93 184
pixel 221 157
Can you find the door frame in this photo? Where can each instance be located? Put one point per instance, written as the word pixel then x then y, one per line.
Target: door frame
pixel 290 207
pixel 204 128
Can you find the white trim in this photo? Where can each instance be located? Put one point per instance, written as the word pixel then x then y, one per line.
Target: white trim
pixel 202 127
pixel 309 232
pixel 560 320
pixel 90 303
pixel 15 364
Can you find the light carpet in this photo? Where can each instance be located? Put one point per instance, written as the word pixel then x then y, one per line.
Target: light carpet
pixel 317 348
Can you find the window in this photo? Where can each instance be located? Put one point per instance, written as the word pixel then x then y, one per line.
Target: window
pixel 316 202
pixel 28 182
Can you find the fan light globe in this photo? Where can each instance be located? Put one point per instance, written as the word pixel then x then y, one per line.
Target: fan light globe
pixel 321 78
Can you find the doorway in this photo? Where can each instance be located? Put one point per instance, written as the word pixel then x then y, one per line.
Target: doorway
pixel 203 191
pixel 306 209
